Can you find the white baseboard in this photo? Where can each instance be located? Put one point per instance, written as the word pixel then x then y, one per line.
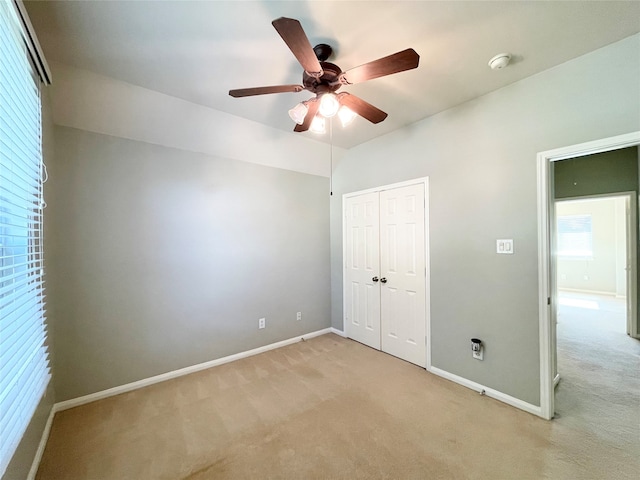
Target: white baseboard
pixel 489 392
pixel 75 402
pixel 338 332
pixel 43 443
pixel 589 292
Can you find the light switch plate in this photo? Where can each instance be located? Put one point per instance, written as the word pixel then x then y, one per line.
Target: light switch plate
pixel 504 246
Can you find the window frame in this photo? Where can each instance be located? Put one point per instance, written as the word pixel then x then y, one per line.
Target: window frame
pixel 24 363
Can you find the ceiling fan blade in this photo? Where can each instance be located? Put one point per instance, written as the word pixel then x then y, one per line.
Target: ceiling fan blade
pixel 313 106
pixel 248 92
pixel 293 35
pixel 398 62
pixel 362 108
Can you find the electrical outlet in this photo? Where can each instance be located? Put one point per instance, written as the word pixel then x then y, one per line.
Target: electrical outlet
pixel 479 355
pixel 262 323
pixel 299 316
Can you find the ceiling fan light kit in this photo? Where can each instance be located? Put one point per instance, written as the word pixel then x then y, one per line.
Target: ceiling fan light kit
pixel 329 105
pixel 298 113
pixel 323 79
pixel 500 61
pixel 318 125
pixel 346 115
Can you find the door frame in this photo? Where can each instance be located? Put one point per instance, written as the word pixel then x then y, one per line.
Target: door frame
pixel 427 304
pixel 546 261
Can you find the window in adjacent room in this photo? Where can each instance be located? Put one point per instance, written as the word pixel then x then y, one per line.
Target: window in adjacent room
pixel 575 236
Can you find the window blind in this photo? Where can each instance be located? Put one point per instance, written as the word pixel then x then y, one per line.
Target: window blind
pixel 24 369
pixel 575 238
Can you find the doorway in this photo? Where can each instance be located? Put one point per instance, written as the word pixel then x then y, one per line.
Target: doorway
pixel 547 268
pixel 385 269
pixel 595 237
pixel 595 264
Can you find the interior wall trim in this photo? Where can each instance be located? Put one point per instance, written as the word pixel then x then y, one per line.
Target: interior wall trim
pixel 128 387
pixel 338 332
pixel 591 292
pixel 41 446
pixel 489 392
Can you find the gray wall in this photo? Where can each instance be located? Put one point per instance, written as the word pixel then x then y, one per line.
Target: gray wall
pixel 602 173
pixel 164 259
pixel 481 161
pixel 20 464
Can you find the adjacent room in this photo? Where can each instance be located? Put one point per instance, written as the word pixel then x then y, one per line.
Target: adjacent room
pixel 319 239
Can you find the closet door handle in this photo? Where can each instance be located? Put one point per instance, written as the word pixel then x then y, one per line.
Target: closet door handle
pixel 383 280
pixel 375 279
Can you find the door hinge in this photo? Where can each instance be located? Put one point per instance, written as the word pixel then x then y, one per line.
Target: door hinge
pixel 548 300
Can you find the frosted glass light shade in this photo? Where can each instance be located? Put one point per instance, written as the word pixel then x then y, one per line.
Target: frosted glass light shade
pixel 346 116
pixel 329 105
pixel 298 113
pixel 318 125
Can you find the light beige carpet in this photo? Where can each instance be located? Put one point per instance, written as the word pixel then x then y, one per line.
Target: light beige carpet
pixel 327 408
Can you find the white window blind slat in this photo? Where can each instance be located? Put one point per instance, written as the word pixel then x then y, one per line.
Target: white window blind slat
pixel 15 377
pixel 36 380
pixel 26 171
pixel 20 294
pixel 21 124
pixel 17 139
pixel 19 208
pixel 26 265
pixel 14 140
pixel 18 327
pixel 24 368
pixel 15 424
pixel 13 221
pixel 19 359
pixel 15 186
pixel 23 305
pixel 23 118
pixel 13 394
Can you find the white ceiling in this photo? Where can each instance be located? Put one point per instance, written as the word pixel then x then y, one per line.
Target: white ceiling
pixel 198 51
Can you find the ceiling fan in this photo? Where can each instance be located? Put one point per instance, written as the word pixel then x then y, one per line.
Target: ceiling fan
pixel 323 79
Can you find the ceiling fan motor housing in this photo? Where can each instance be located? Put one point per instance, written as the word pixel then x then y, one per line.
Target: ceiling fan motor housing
pixel 328 82
pixel 323 51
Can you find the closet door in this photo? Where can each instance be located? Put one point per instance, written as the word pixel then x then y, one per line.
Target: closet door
pixel 362 269
pixel 403 273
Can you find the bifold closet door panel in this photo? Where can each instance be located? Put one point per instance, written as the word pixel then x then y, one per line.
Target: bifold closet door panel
pixel 362 265
pixel 403 266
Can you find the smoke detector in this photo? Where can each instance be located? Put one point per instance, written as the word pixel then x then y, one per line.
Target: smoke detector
pixel 500 61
